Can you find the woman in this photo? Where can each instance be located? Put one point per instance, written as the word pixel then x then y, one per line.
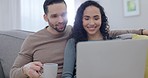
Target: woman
pixel 90 24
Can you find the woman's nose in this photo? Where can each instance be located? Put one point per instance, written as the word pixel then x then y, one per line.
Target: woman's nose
pixel 91 22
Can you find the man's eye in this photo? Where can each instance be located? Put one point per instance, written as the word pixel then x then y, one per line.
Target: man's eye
pixel 63 15
pixel 54 16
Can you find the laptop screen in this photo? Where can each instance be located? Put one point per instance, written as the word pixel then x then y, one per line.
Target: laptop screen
pixel 111 59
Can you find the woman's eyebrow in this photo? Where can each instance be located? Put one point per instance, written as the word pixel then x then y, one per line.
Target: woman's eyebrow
pixel 85 16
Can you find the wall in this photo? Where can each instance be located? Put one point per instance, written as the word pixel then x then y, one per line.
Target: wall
pixel 11 15
pixel 117 20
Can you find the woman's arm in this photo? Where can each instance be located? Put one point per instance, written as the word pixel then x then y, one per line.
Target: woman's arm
pixel 69 59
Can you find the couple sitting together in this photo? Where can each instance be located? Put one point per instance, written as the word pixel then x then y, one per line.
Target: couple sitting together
pixel 56 43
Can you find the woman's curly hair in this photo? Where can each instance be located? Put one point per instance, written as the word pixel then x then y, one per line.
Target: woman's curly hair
pixel 78 32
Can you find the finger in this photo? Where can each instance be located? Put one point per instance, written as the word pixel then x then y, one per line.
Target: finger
pixel 33 74
pixel 36 75
pixel 38 63
pixel 36 68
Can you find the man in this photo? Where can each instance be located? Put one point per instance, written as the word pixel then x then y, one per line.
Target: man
pixel 46 45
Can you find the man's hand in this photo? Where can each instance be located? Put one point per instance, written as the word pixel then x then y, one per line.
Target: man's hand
pixel 32 69
pixel 145 32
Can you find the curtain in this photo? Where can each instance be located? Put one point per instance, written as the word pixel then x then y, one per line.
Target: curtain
pixel 9 14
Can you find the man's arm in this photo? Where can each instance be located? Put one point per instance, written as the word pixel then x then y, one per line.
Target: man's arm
pixel 114 33
pixel 144 32
pixel 23 63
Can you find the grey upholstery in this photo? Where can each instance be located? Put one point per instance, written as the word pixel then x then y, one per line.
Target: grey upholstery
pixel 1 71
pixel 10 44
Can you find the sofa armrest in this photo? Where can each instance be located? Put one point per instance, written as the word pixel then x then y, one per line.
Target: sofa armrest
pixel 1 71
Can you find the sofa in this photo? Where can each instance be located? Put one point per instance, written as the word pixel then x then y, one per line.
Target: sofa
pixel 10 44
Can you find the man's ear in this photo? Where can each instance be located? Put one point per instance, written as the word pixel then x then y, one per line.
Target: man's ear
pixel 45 17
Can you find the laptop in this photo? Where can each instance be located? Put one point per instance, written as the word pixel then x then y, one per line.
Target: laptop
pixel 111 59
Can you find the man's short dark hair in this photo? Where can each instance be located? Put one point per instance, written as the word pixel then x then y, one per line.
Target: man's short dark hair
pixel 50 2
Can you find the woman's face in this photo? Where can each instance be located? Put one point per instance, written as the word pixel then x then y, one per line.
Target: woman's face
pixel 92 20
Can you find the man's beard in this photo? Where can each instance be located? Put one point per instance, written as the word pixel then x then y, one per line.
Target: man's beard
pixel 55 27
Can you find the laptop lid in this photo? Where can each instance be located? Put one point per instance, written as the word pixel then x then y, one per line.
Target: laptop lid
pixel 111 59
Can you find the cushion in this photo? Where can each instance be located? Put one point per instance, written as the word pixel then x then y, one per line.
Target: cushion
pixel 124 36
pixel 135 36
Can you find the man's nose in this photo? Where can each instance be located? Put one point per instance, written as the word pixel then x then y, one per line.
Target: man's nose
pixel 61 19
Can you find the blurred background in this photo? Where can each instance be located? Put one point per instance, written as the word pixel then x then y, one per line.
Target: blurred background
pixel 28 14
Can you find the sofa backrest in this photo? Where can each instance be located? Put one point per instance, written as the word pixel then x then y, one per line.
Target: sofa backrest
pixel 10 44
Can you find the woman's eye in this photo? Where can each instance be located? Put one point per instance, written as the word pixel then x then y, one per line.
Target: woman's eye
pixel 96 18
pixel 86 18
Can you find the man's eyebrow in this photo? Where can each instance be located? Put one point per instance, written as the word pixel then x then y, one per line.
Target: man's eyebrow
pixel 53 14
pixel 64 13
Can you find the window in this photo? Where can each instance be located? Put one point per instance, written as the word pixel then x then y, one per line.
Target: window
pixel 32 14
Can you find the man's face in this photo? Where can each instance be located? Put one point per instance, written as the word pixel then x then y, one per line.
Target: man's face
pixel 57 16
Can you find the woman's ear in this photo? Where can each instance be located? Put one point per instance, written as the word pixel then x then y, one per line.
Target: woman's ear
pixel 45 17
